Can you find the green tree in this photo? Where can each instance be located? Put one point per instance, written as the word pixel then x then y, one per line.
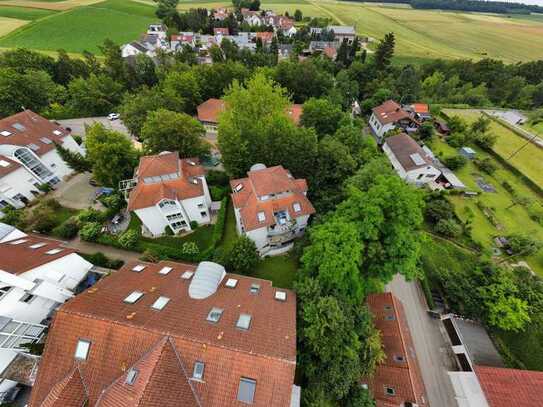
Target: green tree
pixel 243 256
pixel 361 148
pixel 90 231
pixel 408 84
pixel 184 87
pixel 384 52
pixel 111 153
pixel 75 160
pixel 95 96
pixel 426 131
pixel 165 130
pixel 523 244
pixel 114 65
pixel 298 16
pixel 316 81
pixel 322 115
pixel 129 239
pixel 167 11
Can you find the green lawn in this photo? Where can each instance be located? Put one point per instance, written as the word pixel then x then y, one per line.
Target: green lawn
pixel 84 28
pixel 534 128
pixel 511 219
pixel 279 269
pixel 529 160
pixel 24 13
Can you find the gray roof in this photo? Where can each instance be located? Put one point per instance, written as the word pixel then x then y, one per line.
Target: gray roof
pixel 342 29
pixel 478 344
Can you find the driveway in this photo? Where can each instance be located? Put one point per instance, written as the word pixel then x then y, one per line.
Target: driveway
pixel 76 193
pixel 433 351
pixel 78 125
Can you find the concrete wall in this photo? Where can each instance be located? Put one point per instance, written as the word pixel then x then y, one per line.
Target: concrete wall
pixel 20 181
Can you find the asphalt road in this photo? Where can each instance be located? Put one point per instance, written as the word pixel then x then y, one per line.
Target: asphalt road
pixel 433 352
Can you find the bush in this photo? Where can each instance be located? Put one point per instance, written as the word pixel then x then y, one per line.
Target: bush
pixel 485 165
pixel 217 178
pixel 13 217
pixel 448 227
pixel 217 193
pixel 508 187
pixel 129 239
pixel 90 231
pixel 190 251
pixel 101 260
pixel 151 256
pixel 168 231
pixel 455 162
pixel 91 215
pixel 45 188
pixel 42 219
pixel 243 256
pixel 194 225
pixel 523 244
pixel 67 230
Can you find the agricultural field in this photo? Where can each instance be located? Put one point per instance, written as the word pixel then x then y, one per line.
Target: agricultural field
pixel 9 24
pixel 529 160
pixel 420 34
pixel 84 28
pixel 503 216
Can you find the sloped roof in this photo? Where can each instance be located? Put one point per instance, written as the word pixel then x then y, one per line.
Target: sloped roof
pixel 511 387
pixel 420 107
pixel 295 111
pixel 390 112
pixel 125 335
pixel 268 181
pixel 19 258
pixel 408 152
pixel 27 128
pixel 185 186
pixel 210 110
pixel 69 392
pixel 7 165
pixel 403 375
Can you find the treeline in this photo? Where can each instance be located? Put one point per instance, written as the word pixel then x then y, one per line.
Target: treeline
pixel 480 6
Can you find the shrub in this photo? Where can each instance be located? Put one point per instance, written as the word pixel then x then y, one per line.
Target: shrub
pixel 485 165
pixel 91 215
pixel 217 193
pixel 101 260
pixel 448 227
pixel 523 244
pixel 190 250
pixel 437 209
pixel 193 225
pixel 168 231
pixel 218 229
pixel 455 162
pixel 90 231
pixel 508 187
pixel 151 256
pixel 217 178
pixel 67 230
pixel 42 219
pixel 45 188
pixel 13 217
pixel 129 239
pixel 243 256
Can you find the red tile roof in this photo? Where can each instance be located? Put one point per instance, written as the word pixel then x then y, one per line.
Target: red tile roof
pixel 420 107
pixel 183 187
pixel 220 30
pixel 19 258
pixel 390 112
pixel 402 374
pixel 274 180
pixel 265 36
pixel 330 52
pixel 210 110
pixel 164 345
pixel 295 112
pixel 34 128
pixel 70 391
pixel 511 387
pixel 7 165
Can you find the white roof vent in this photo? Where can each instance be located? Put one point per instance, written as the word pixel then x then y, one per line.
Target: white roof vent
pixel 257 167
pixel 206 280
pixel 231 283
pixel 5 133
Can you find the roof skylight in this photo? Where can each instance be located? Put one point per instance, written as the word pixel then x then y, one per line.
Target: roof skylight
pixel 261 216
pixel 5 133
pixel 82 349
pixel 231 283
pixel 281 295
pixel 53 251
pixel 131 376
pixel 37 245
pixel 133 297
pixel 160 303
pixel 45 140
pixel 4 163
pixel 297 207
pixel 244 321
pixel 165 270
pixel 238 187
pixel 138 268
pixel 255 288
pixel 214 315
pixel 16 242
pixel 187 275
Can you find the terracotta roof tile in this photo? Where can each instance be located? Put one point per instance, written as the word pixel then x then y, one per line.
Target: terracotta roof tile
pixel 400 370
pixel 7 165
pixel 220 30
pixel 390 112
pixel 274 180
pixel 420 107
pixel 210 110
pixel 295 112
pixel 21 257
pixel 511 387
pixel 126 335
pixel 31 128
pixel 186 186
pixel 69 392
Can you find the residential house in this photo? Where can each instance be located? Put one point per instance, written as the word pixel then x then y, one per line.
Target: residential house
pixel 343 32
pixel 208 113
pixel 220 14
pixel 481 379
pixel 397 381
pixel 8 232
pixel 467 152
pixel 266 37
pixel 252 17
pixel 271 208
pixel 154 39
pixel 168 193
pixel 412 163
pixel 37 274
pixel 29 158
pixel 160 30
pixel 390 116
pixel 420 111
pixel 170 334
pixel 221 31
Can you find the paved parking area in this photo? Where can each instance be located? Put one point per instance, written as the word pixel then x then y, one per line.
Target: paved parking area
pixel 432 349
pixel 76 193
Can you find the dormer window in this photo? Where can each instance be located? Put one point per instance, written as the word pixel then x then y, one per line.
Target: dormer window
pixel 198 371
pixel 261 216
pixel 131 376
pixel 82 349
pixel 297 207
pixel 238 187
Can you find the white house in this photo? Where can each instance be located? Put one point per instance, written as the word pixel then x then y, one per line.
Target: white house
pixel 271 208
pixel 28 156
pixel 342 32
pixel 412 163
pixel 168 192
pixel 36 276
pixel 389 116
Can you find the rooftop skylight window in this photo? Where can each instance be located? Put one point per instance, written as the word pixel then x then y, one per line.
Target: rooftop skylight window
pixel 165 270
pixel 139 268
pixel 231 283
pixel 133 297
pixel 297 207
pixel 53 251
pixel 244 321
pixel 255 288
pixel 16 242
pixel 246 390
pixel 198 372
pixel 238 187
pixel 37 245
pixel 281 295
pixel 4 163
pixel 82 349
pixel 214 315
pixel 45 140
pixel 261 216
pixel 131 376
pixel 57 132
pixel 160 303
pixel 5 133
pixel 187 275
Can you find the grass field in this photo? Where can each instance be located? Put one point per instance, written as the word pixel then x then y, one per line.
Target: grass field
pixel 23 13
pixel 9 24
pixel 534 128
pixel 529 160
pixel 511 219
pixel 84 28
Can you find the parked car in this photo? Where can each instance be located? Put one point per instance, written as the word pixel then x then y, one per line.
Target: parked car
pixel 113 116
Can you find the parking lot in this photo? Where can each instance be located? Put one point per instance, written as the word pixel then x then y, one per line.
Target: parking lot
pixel 76 193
